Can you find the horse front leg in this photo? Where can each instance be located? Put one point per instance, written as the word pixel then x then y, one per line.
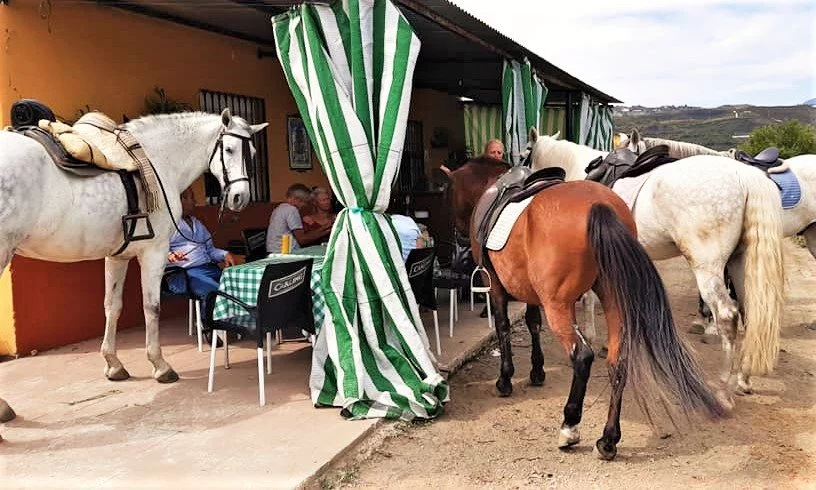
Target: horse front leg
pixel 115 272
pixel 152 263
pixel 532 318
pixel 499 299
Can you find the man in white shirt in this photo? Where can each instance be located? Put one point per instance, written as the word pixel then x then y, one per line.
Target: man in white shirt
pixel 285 219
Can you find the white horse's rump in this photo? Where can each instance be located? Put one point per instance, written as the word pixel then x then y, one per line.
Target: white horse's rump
pixel 48 214
pixel 715 212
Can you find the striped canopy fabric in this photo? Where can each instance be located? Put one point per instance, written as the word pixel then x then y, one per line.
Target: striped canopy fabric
pixel 523 96
pixel 482 124
pixel 350 67
pixel 553 120
pixel 595 126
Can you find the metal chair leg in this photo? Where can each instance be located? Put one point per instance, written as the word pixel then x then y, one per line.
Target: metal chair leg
pixel 190 317
pixel 226 351
pixel 261 393
pixel 212 363
pixel 268 352
pixel 199 325
pixel 436 331
pixel 453 310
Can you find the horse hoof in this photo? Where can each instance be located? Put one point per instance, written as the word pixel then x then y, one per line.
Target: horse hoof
pixel 603 353
pixel 505 387
pixel 117 374
pixel 168 376
pixel 6 412
pixel 742 389
pixel 697 328
pixel 568 436
pixel 537 379
pixel 604 451
pixel 710 339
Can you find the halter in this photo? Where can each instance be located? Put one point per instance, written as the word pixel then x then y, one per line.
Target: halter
pixel 245 154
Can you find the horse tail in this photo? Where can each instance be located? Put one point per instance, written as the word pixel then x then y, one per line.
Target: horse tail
pixel 764 272
pixel 657 363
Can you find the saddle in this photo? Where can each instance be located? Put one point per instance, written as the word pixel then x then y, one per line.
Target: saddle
pixel 515 185
pixel 764 160
pixel 623 163
pixel 75 150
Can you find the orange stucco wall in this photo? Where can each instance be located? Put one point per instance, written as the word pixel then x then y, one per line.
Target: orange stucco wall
pixel 112 66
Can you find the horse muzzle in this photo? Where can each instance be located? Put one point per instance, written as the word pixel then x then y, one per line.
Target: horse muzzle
pixel 237 196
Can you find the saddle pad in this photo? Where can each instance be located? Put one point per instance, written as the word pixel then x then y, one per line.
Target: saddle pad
pixel 508 217
pixel 789 189
pixel 628 188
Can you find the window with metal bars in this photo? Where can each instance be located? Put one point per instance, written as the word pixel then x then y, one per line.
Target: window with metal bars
pixel 253 109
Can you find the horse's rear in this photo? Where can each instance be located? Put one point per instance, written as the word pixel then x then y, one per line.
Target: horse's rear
pixel 578 236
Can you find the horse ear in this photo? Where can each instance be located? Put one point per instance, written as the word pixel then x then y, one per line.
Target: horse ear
pixel 258 127
pixel 226 117
pixel 556 136
pixel 634 138
pixel 533 134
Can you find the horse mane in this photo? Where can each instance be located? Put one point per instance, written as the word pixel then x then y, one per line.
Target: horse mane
pixel 150 120
pixel 681 149
pixel 486 167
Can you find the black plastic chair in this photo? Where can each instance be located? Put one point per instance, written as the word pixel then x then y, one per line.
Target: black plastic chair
pixel 193 302
pixel 255 243
pixel 284 300
pixel 419 266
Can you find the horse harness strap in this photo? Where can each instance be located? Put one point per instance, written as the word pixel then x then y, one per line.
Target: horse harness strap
pixel 623 163
pixel 130 220
pixel 515 185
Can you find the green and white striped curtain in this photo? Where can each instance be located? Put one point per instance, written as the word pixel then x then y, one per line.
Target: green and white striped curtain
pixel 595 126
pixel 482 124
pixel 523 96
pixel 350 68
pixel 553 120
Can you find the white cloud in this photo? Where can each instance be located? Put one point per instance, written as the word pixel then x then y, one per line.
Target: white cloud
pixel 697 52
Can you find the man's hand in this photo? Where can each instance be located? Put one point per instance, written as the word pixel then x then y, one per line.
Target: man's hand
pixel 174 257
pixel 229 260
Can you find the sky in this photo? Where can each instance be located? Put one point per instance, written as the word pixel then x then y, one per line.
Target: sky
pixel 670 52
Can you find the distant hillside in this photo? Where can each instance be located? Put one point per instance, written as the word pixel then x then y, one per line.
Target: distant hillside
pixel 719 128
pixel 811 101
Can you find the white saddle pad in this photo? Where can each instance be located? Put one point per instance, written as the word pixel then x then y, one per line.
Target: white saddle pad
pixel 629 188
pixel 501 231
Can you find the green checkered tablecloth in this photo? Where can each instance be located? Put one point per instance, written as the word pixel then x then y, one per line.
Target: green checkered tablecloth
pixel 243 281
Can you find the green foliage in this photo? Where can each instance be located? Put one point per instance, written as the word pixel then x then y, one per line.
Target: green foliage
pixel 160 103
pixel 791 137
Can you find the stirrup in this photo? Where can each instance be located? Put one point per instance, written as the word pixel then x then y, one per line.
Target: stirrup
pixel 129 222
pixel 480 289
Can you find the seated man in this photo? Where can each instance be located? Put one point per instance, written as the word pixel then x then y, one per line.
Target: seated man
pixel 193 250
pixel 409 234
pixel 320 212
pixel 285 219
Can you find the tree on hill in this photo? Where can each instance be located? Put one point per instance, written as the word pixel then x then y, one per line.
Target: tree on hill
pixel 791 137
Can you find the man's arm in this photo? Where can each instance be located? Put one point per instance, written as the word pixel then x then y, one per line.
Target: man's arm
pixel 306 238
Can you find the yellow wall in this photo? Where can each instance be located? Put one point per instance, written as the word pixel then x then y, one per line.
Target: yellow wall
pixel 8 339
pixel 117 59
pixel 438 109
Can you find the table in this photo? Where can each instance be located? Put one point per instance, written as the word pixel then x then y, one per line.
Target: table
pixel 243 281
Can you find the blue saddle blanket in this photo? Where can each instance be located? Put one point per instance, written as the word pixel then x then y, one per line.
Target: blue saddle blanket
pixel 789 189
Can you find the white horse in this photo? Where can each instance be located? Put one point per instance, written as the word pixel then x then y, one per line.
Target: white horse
pixel 47 214
pixel 799 220
pixel 715 212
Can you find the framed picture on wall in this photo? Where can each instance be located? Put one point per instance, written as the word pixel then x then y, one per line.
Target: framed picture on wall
pixel 300 148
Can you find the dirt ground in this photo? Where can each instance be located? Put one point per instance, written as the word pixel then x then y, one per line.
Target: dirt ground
pixel 486 441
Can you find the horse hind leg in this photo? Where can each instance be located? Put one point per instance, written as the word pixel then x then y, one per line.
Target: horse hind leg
pixel 152 263
pixel 724 309
pixel 498 296
pixel 532 318
pixel 115 272
pixel 561 318
pixel 736 271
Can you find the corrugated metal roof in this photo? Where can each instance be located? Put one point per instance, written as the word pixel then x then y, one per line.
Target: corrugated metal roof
pixel 461 54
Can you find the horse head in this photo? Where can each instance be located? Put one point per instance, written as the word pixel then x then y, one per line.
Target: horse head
pixel 467 184
pixel 231 157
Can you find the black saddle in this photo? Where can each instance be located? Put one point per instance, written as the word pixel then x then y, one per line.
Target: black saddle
pixel 515 185
pixel 767 158
pixel 623 163
pixel 28 112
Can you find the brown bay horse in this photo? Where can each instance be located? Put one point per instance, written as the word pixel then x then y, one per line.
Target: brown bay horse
pixel 571 238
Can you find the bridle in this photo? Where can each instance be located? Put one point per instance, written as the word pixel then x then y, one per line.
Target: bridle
pixel 246 154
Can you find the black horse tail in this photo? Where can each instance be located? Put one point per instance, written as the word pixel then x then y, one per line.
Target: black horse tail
pixel 656 362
